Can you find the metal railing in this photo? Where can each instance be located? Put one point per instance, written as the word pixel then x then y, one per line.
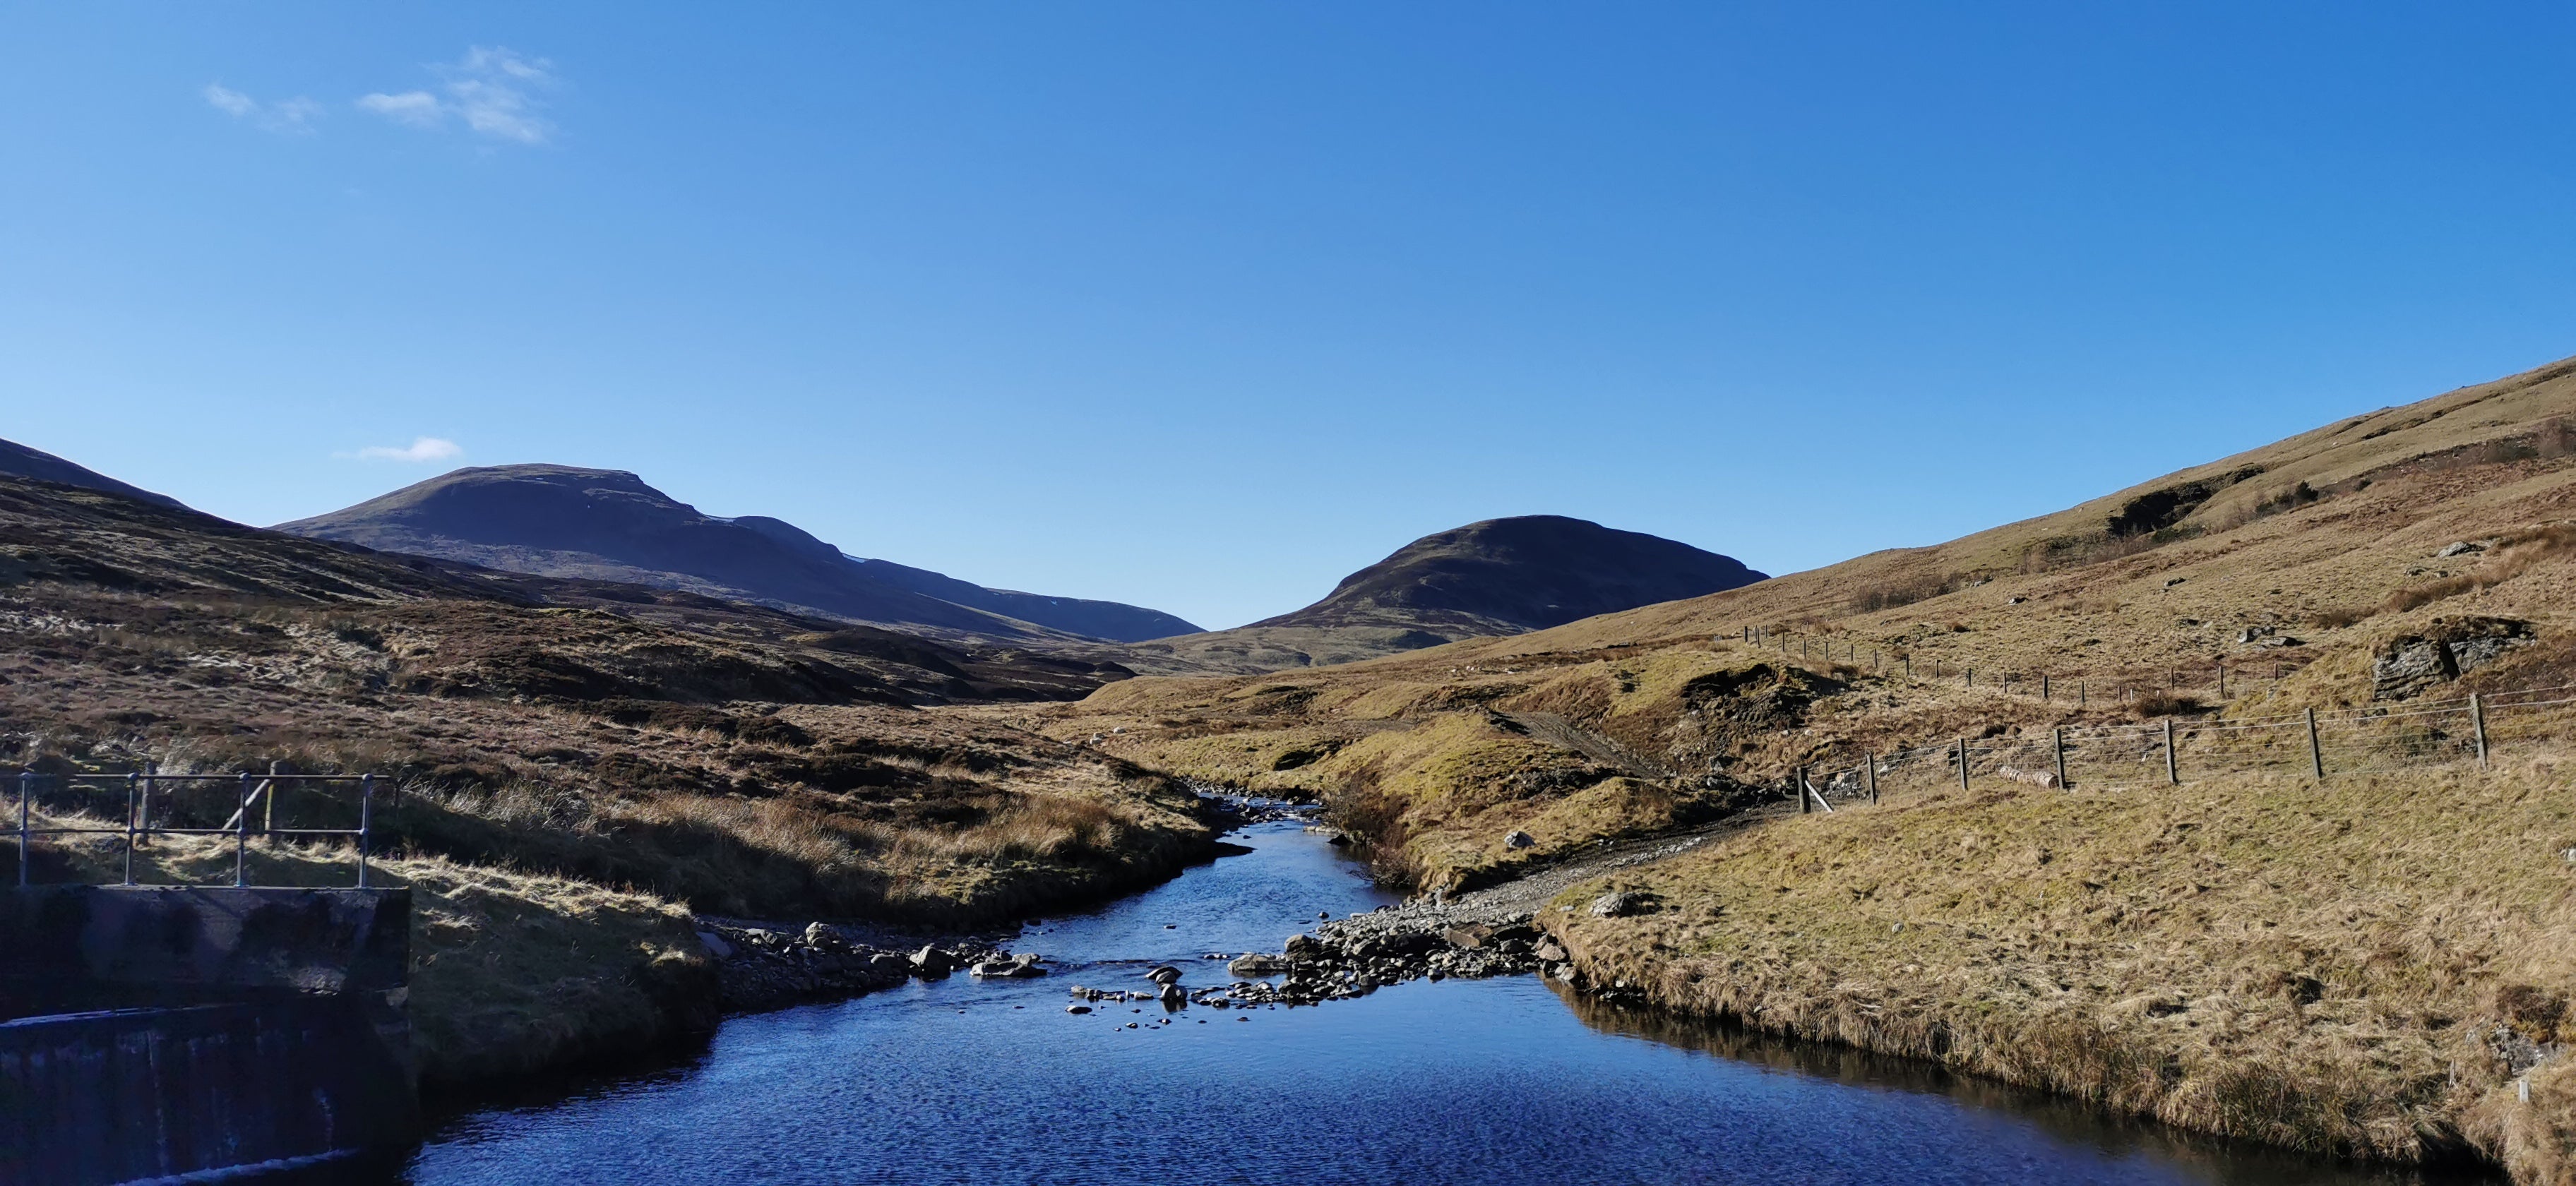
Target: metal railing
pixel 139 828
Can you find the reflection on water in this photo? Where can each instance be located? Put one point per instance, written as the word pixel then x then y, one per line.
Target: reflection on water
pixel 1495 1081
pixel 2201 1158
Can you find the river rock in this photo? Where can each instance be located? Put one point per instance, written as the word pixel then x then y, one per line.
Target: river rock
pixel 1174 994
pixel 1255 966
pixel 931 963
pixel 1470 937
pixel 1302 947
pixel 1163 974
pixel 715 945
pixel 1548 952
pixel 1015 968
pixel 819 935
pixel 1077 1008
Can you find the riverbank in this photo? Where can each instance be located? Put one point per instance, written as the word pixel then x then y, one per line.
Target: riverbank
pixel 1490 1082
pixel 2372 966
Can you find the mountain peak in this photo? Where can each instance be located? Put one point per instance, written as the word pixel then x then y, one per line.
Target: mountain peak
pixel 1525 572
pixel 605 524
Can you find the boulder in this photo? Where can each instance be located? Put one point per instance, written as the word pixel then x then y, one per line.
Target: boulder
pixel 1549 953
pixel 1470 937
pixel 1519 839
pixel 715 945
pixel 931 962
pixel 1301 947
pixel 1255 966
pixel 1174 994
pixel 819 935
pixel 2447 648
pixel 1620 904
pixel 1163 974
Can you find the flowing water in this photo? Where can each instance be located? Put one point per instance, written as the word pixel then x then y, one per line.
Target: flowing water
pixel 1497 1081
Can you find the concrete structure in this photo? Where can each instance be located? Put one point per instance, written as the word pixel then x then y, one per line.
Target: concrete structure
pixel 149 1031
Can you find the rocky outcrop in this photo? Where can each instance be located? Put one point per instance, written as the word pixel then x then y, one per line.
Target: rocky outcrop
pixel 2444 650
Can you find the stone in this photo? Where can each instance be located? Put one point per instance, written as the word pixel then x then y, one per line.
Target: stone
pixel 2459 548
pixel 819 935
pixel 1164 974
pixel 715 945
pixel 1548 952
pixel 1470 937
pixel 1077 1008
pixel 1009 969
pixel 2409 666
pixel 1302 947
pixel 1620 904
pixel 1254 965
pixel 2446 649
pixel 1174 994
pixel 931 962
pixel 1519 839
pixel 888 966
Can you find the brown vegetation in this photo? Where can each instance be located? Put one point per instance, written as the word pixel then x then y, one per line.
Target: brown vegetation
pixel 602 753
pixel 2259 562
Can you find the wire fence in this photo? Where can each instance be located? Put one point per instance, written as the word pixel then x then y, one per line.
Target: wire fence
pixel 2080 686
pixel 2464 732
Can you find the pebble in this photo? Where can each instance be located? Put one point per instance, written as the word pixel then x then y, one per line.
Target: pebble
pixel 1077 1008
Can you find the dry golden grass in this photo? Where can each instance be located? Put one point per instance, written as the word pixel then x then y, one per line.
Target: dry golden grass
pixel 511 971
pixel 2148 951
pixel 2317 965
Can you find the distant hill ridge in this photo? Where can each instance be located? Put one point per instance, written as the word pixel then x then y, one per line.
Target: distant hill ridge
pixel 1529 572
pixel 19 461
pixel 1489 578
pixel 568 521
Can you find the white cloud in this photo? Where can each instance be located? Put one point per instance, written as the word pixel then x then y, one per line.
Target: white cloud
pixel 417 108
pixel 421 449
pixel 490 90
pixel 285 115
pixel 228 100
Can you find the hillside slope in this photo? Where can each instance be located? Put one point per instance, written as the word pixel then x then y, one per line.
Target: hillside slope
pixel 20 461
pixel 2375 963
pixel 1495 577
pixel 605 751
pixel 556 520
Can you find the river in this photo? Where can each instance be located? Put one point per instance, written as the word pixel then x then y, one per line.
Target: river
pixel 1494 1081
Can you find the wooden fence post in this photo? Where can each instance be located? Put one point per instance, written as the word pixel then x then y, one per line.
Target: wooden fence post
pixel 2222 680
pixel 2478 726
pixel 1963 763
pixel 2316 753
pixel 2173 773
pixel 1872 768
pixel 2043 687
pixel 1801 776
pixel 2057 738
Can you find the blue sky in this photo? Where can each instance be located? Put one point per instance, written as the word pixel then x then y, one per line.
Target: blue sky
pixel 1203 306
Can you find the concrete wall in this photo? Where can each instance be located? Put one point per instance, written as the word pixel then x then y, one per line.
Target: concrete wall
pixel 152 1031
pixel 132 1094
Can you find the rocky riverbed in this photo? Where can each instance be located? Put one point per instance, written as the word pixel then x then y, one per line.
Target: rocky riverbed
pixel 770 966
pixel 1489 932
